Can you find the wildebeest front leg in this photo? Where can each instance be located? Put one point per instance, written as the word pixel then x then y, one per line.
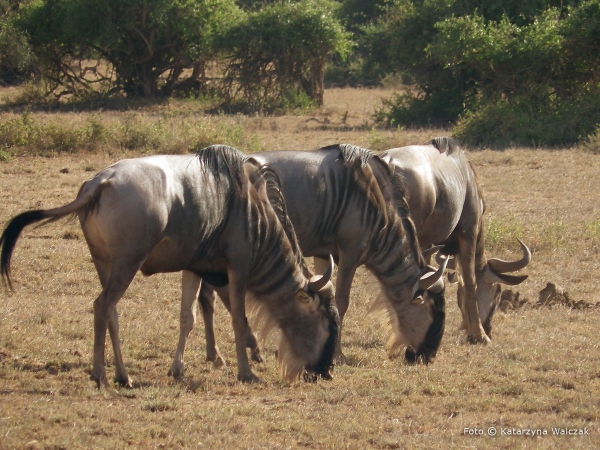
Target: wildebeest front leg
pixel 190 286
pixel 469 308
pixel 207 301
pixel 237 298
pixel 345 274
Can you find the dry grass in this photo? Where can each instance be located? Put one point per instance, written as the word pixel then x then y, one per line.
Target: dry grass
pixel 542 370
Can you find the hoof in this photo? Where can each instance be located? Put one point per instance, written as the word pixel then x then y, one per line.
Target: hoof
pixel 98 383
pixel 476 339
pixel 124 382
pixel 248 378
pixel 100 380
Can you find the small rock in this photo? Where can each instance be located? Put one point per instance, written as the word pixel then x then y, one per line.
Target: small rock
pixel 65 170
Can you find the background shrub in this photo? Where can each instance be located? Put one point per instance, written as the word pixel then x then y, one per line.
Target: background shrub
pixel 278 54
pixel 525 75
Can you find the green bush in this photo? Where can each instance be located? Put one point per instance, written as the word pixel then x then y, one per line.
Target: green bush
pixel 17 62
pixel 368 63
pixel 529 121
pixel 410 109
pixel 532 89
pixel 528 79
pixel 280 52
pixel 154 48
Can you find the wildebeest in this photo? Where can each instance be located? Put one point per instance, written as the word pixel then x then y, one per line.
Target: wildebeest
pixel 447 206
pixel 359 215
pixel 209 215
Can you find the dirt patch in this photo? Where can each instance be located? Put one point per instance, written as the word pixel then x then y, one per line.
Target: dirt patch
pixel 511 300
pixel 552 295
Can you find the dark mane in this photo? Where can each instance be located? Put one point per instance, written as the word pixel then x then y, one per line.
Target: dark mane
pixel 399 195
pixel 352 154
pixel 445 144
pixel 359 157
pixel 277 201
pixel 223 160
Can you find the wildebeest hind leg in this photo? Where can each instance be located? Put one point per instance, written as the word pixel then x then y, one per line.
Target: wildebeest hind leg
pixel 105 317
pixel 206 302
pixel 121 376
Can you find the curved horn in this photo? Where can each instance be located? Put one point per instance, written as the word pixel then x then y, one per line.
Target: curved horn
pixel 501 266
pixel 433 281
pixel 491 277
pixel 430 251
pixel 317 283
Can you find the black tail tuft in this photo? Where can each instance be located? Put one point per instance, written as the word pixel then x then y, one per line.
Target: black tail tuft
pixel 11 235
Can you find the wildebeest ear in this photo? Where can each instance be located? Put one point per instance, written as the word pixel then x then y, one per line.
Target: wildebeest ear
pixel 306 300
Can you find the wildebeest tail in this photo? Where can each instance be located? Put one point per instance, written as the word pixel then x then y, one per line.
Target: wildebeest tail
pixel 87 199
pixel 10 236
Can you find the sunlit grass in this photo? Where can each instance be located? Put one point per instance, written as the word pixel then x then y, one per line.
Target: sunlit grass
pixel 501 233
pixel 592 232
pixel 143 132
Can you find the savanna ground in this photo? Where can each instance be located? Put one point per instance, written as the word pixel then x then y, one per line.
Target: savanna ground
pixel 542 370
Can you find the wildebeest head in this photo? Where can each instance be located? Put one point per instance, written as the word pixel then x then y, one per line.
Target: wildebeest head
pixel 309 322
pixel 430 295
pixel 425 352
pixel 418 325
pixel 311 331
pixel 489 280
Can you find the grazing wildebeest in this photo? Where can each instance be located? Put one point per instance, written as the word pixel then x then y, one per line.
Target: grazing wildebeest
pixel 208 215
pixel 359 215
pixel 447 206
